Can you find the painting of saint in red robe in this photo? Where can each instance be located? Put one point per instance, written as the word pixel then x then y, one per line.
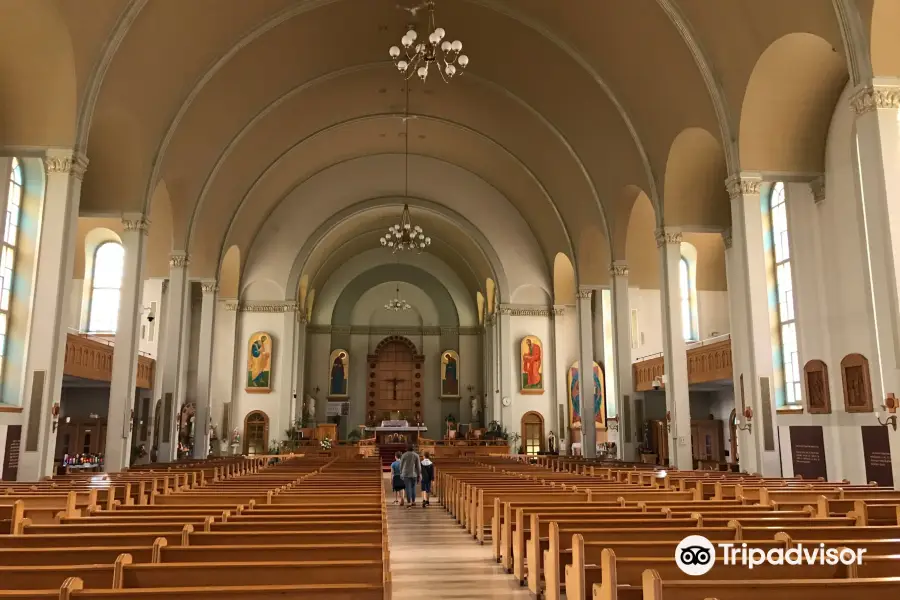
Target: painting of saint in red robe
pixel 532 365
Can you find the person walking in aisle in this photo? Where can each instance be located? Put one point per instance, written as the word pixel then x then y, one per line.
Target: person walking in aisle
pixel 411 471
pixel 427 478
pixel 396 480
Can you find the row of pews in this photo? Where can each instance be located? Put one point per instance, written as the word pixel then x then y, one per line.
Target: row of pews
pixel 609 532
pixel 236 528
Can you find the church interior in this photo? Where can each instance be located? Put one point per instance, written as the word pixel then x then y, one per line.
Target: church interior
pixel 254 250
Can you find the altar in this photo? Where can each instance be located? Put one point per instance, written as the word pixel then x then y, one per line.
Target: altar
pixel 396 432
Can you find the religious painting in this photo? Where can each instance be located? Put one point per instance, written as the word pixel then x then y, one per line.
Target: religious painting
pixel 450 374
pixel 817 393
pixel 532 375
pixel 259 363
pixel 573 381
pixel 857 383
pixel 339 374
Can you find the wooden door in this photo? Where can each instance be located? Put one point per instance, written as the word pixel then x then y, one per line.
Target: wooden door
pixel 532 433
pixel 394 375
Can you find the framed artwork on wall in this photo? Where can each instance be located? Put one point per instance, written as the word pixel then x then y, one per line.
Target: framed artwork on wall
pixel 573 381
pixel 449 374
pixel 818 396
pixel 857 383
pixel 259 363
pixel 532 371
pixel 339 374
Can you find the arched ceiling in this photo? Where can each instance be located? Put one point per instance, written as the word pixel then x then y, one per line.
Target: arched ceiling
pixel 235 103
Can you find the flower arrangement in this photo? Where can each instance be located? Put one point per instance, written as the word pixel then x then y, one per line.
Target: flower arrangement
pixel 325 444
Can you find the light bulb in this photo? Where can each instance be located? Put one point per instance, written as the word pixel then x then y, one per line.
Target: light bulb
pixel 434 38
pixel 402 65
pixel 406 41
pixel 383 241
pixel 445 46
pixel 456 46
pixel 411 34
pixel 428 240
pixel 463 60
pixel 394 51
pixel 423 72
pixel 451 70
pixel 406 226
pixel 440 33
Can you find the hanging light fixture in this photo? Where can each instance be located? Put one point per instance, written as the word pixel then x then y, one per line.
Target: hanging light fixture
pixel 417 56
pixel 398 304
pixel 404 236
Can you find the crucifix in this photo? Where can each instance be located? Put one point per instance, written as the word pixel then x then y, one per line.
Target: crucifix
pixel 395 381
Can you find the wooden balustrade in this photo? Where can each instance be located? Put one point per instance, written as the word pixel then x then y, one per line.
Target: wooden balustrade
pixel 707 362
pixel 92 359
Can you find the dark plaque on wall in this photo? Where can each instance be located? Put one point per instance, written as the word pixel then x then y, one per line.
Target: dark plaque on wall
pixel 877 454
pixel 817 393
pixel 857 384
pixel 808 452
pixel 11 454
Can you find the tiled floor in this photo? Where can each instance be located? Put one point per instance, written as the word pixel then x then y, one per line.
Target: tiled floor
pixel 432 557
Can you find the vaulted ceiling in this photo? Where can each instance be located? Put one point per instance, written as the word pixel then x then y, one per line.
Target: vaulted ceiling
pixel 571 109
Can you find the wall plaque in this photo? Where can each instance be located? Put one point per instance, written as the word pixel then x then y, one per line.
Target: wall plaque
pixel 11 454
pixel 808 452
pixel 877 455
pixel 815 373
pixel 857 383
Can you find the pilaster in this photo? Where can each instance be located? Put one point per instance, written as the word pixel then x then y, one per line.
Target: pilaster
pixel 628 430
pixel 45 355
pixel 203 415
pixel 586 365
pixel 123 385
pixel 301 342
pixel 508 366
pixel 172 382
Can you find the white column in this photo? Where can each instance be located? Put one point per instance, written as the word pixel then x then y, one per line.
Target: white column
pixel 300 367
pixel 45 356
pixel 509 365
pixel 585 370
pixel 560 369
pixel 751 326
pixel 172 357
pixel 678 402
pixel 158 371
pixel 877 106
pixel 204 369
pixel 123 385
pixel 629 431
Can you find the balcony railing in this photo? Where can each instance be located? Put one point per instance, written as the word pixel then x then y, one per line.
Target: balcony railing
pixel 91 357
pixel 709 360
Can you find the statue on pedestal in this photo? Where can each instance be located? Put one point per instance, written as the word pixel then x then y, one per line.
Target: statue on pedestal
pixel 311 409
pixel 476 409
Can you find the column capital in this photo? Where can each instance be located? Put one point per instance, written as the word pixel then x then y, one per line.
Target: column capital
pixel 65 161
pixel 179 260
pixel 618 268
pixel 135 222
pixel 874 96
pixel 668 235
pixel 743 184
pixel 817 186
pixel 726 238
pixel 584 293
pixel 209 286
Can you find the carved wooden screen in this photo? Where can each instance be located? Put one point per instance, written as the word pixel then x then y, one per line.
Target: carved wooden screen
pixel 857 383
pixel 395 382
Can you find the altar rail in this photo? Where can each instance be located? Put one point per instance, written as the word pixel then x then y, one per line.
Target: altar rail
pixel 709 360
pixel 91 358
pixel 461 448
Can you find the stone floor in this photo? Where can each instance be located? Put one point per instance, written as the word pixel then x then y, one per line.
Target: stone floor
pixel 432 557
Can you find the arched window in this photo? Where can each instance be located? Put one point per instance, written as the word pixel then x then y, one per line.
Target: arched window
pixel 784 287
pixel 106 287
pixel 8 257
pixel 688 327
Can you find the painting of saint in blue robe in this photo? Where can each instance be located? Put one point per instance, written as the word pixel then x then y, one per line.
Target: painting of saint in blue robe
pixel 259 363
pixel 340 373
pixel 449 374
pixel 574 392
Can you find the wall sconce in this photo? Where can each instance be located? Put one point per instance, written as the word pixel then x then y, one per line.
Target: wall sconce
pixel 471 388
pixel 748 416
pixel 316 390
pixel 890 404
pixel 668 421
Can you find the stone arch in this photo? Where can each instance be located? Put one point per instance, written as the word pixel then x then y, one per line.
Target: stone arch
pixel 397 338
pixel 38 82
pixel 564 286
pixel 788 104
pixel 694 193
pixel 230 273
pixel 641 254
pixel 626 200
pixel 593 256
pixel 159 240
pixel 885 44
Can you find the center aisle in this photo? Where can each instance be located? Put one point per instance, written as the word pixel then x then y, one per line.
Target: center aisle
pixel 433 558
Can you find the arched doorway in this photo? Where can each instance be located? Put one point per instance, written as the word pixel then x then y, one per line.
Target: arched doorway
pixel 533 432
pixel 256 432
pixel 395 381
pixel 732 432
